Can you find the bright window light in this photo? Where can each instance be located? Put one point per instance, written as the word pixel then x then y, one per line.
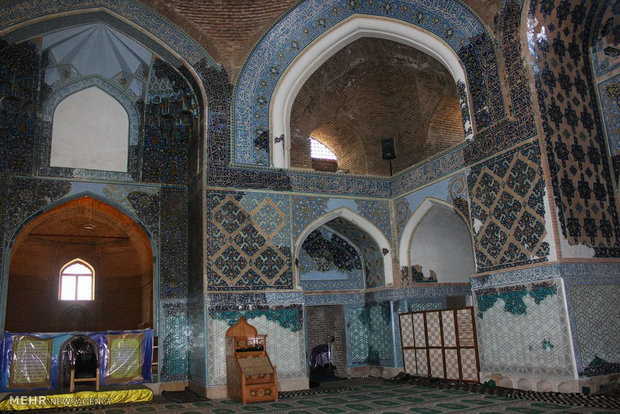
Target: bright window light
pixel 76 281
pixel 320 151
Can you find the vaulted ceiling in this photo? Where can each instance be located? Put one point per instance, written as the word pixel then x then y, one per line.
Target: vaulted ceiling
pixel 371 90
pixel 228 30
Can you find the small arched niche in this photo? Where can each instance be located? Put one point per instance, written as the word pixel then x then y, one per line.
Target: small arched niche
pixel 328 260
pixel 90 130
pixel 437 245
pixel 363 241
pixel 89 230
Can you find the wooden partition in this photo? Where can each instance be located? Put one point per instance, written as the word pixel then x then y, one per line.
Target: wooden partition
pixel 440 343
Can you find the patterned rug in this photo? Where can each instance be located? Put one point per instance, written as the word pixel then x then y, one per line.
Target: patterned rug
pixel 321 389
pixel 611 401
pixel 372 395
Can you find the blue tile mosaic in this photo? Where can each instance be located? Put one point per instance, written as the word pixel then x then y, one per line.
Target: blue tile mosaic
pixel 507 209
pixel 428 171
pixel 173 252
pixel 364 348
pixel 451 22
pixel 520 125
pixel 452 189
pixel 246 244
pixel 175 341
pixel 604 50
pixel 170 124
pixel 19 71
pixel 307 209
pixel 580 173
pixel 609 93
pixel 17 12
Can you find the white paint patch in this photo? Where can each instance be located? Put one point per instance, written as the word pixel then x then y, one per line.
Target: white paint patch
pixel 90 130
pixel 477 226
pixel 549 238
pixel 574 251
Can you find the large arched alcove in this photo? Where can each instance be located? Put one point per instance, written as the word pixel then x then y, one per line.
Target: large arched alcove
pixel 372 90
pixel 436 245
pixel 362 51
pixel 98 234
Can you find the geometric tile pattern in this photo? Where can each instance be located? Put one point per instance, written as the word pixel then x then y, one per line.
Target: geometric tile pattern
pixel 580 171
pixel 507 209
pixel 534 340
pixel 175 341
pixel 245 246
pixel 597 319
pixel 369 334
pixel 265 66
pixel 18 71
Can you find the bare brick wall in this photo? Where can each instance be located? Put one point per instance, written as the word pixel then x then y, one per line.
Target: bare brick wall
pixel 445 127
pixel 323 322
pixel 228 30
pixel 371 90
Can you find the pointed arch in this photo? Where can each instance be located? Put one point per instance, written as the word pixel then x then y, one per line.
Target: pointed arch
pixel 364 224
pixel 461 30
pixel 138 237
pixel 417 218
pixel 351 29
pixel 76 280
pixel 25 19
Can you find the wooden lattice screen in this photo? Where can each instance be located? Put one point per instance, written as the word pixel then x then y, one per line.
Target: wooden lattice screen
pixel 440 343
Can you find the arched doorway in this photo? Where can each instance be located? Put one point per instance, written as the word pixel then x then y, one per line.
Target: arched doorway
pixel 84 230
pixel 340 251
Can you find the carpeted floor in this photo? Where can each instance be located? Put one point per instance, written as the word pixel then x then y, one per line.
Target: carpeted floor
pixel 371 395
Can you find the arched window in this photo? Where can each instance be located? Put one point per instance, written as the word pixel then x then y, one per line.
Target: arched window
pixel 77 281
pixel 320 151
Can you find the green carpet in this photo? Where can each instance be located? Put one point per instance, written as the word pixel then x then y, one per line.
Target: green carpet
pixel 365 396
